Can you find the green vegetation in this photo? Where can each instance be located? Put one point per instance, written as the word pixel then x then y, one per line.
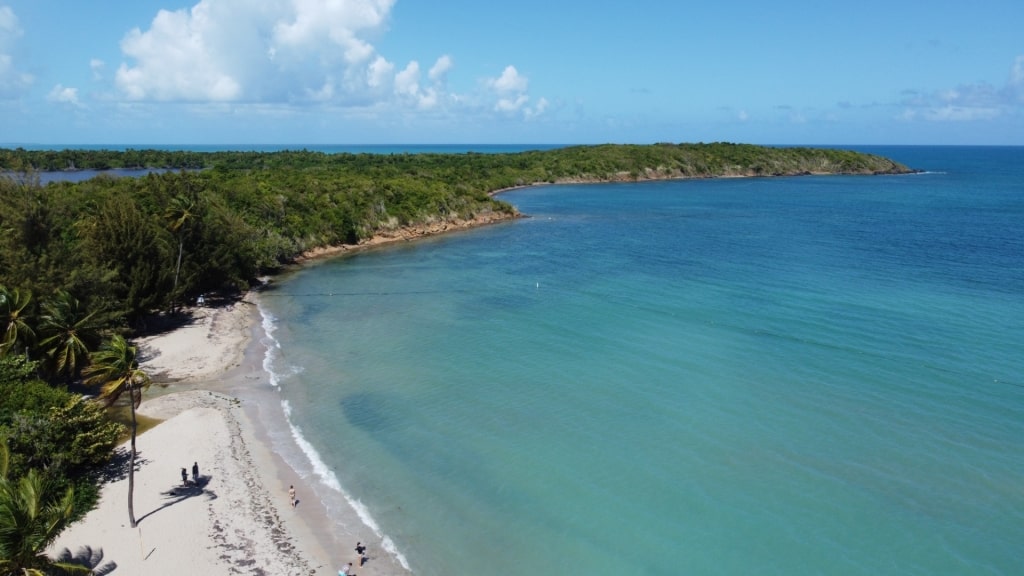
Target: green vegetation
pixel 85 265
pixel 56 432
pixel 115 368
pixel 124 247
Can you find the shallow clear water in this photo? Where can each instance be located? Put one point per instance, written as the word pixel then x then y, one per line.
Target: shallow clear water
pixel 756 376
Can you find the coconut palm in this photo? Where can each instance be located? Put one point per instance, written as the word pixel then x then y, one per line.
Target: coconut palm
pixel 32 515
pixel 179 216
pixel 14 310
pixel 68 333
pixel 115 368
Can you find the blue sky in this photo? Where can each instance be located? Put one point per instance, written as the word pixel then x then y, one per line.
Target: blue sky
pixel 137 72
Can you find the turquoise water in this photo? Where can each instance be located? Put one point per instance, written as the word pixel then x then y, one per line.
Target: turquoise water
pixel 757 376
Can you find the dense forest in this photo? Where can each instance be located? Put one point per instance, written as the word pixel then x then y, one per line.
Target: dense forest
pixel 130 246
pixel 84 265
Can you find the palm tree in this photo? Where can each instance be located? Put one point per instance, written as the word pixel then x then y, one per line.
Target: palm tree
pixel 68 333
pixel 179 216
pixel 13 314
pixel 115 367
pixel 32 515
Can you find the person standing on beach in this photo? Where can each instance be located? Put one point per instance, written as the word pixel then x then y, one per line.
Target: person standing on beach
pixel 361 553
pixel 195 472
pixel 291 495
pixel 184 477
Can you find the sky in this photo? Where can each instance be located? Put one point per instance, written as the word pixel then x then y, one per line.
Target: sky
pixel 218 72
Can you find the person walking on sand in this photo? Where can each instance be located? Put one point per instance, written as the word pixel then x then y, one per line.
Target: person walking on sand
pixel 345 570
pixel 195 472
pixel 361 553
pixel 184 477
pixel 291 495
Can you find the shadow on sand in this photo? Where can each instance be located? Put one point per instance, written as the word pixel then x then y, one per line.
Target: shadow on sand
pixel 181 493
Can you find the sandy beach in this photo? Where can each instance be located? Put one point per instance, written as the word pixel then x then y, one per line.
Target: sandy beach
pixel 236 518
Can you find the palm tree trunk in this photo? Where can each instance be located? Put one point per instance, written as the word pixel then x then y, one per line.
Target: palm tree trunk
pixel 131 463
pixel 177 268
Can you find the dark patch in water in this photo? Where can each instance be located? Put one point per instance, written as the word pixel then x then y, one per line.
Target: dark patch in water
pixel 368 411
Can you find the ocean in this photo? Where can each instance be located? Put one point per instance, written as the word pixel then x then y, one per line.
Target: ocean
pixel 806 375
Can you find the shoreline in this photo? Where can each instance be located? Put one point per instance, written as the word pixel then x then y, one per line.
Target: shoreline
pixel 220 409
pixel 407 234
pixel 415 232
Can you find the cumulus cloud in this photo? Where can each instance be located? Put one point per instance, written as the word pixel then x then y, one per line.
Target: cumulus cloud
pixel 295 52
pixel 967 102
pixel 509 81
pixel 65 95
pixel 511 91
pixel 272 51
pixel 12 81
pixel 439 70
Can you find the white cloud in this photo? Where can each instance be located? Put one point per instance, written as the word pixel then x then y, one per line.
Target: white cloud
pixel 290 53
pixel 510 89
pixel 509 81
pixel 967 102
pixel 379 73
pixel 12 81
pixel 183 56
pixel 511 104
pixel 61 94
pixel 408 88
pixel 407 81
pixel 238 51
pixel 439 70
pixel 538 109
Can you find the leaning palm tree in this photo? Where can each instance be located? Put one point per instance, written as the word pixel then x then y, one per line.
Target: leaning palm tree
pixel 179 216
pixel 14 310
pixel 68 333
pixel 115 367
pixel 32 515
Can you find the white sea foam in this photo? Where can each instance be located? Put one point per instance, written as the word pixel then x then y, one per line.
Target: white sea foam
pixel 321 470
pixel 329 479
pixel 273 351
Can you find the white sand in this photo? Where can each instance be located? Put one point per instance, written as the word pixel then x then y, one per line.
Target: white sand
pixel 205 347
pixel 238 520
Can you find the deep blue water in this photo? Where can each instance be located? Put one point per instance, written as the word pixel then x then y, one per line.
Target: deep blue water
pixel 811 375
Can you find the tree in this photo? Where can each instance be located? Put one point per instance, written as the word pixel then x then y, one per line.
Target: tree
pixel 115 367
pixel 13 314
pixel 179 217
pixel 68 333
pixel 125 248
pixel 32 515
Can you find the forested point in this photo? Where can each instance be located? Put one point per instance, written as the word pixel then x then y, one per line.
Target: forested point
pixel 217 220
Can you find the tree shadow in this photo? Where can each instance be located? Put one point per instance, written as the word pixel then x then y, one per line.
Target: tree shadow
pixel 181 493
pixel 117 469
pixel 88 557
pixel 164 322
